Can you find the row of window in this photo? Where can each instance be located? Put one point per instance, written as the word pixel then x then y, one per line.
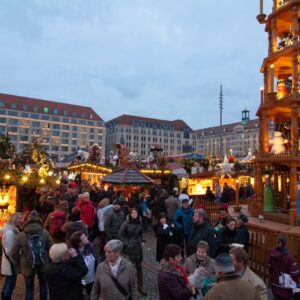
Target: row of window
pixel 47 110
pixel 52 118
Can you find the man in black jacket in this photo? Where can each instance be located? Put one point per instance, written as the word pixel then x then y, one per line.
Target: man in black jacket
pixel 65 272
pixel 242 231
pixel 202 231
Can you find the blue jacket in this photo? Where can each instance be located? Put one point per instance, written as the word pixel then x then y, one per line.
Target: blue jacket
pixel 183 220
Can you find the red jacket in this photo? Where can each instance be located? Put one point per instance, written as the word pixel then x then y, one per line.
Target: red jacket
pixel 88 212
pixel 282 261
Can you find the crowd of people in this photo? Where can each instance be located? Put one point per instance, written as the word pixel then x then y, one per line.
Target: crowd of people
pixel 85 242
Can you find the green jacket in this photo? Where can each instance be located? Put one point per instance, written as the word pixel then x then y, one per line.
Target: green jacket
pixel 113 223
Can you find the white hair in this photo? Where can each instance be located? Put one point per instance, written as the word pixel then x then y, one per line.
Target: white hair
pixel 114 246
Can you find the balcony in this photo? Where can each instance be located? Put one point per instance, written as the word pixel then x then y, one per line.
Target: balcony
pixel 281 3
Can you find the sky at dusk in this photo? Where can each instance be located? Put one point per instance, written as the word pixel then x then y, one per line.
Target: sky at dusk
pixel 156 58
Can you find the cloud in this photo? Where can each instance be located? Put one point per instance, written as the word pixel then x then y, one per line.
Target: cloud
pixel 164 59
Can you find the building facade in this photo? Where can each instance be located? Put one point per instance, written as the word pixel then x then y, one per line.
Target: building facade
pixel 62 127
pixel 241 137
pixel 139 134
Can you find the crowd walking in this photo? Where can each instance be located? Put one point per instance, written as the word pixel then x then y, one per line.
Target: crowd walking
pixel 89 245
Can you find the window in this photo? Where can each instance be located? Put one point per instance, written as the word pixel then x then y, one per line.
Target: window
pixel 92 137
pixel 74 128
pixel 25 107
pixel 55 148
pixel 13 106
pixel 65 141
pixel 83 116
pixel 99 137
pixel 55 133
pixel 74 121
pixel 45 117
pixel 65 134
pixel 66 120
pixel 24 138
pixel 35 116
pixel 74 142
pixel 25 115
pixel 55 119
pixel 2 112
pixel 56 126
pixel 91 123
pixel 13 122
pixel 65 149
pixel 46 148
pixel 35 124
pixel 74 114
pixel 35 108
pixel 14 138
pixel 2 120
pixel 13 129
pixel 66 113
pixel 83 122
pixel 65 127
pixel 2 104
pixel 55 111
pixel 46 110
pixel 74 135
pixel 12 113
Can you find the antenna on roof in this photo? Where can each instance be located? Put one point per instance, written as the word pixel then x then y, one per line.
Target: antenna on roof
pixel 221 105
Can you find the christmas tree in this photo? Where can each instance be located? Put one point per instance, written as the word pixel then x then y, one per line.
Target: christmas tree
pixel 7 148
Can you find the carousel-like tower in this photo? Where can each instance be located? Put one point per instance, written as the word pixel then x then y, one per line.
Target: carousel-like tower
pixel 277 163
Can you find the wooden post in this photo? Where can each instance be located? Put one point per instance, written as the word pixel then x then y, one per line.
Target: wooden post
pixel 274 37
pixel 295 74
pixel 237 207
pixel 284 189
pixel 261 7
pixel 293 193
pixel 294 129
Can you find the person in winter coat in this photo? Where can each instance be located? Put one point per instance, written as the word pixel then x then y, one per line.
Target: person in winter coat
pixel 131 233
pixel 161 197
pixel 282 261
pixel 242 231
pixel 200 259
pixel 172 280
pixel 166 234
pixel 33 241
pixel 115 271
pixel 240 260
pixel 230 286
pixel 172 204
pixel 227 236
pixel 104 208
pixel 114 221
pixel 64 273
pixel 183 218
pixel 9 234
pixel 223 215
pixel 88 212
pixel 74 223
pixel 80 242
pixel 145 212
pixel 55 221
pixel 202 231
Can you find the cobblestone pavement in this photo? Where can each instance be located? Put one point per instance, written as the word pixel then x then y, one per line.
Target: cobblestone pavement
pixel 150 267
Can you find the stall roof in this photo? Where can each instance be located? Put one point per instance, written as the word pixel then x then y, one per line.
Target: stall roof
pixel 127 176
pixel 214 173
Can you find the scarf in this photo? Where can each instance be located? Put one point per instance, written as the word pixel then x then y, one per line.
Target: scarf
pixel 183 273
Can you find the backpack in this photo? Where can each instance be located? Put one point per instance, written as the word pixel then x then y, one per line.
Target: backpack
pixel 37 254
pixel 88 214
pixel 58 219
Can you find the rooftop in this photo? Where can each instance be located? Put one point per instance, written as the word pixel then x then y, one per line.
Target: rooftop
pixel 228 127
pixel 178 125
pixel 47 107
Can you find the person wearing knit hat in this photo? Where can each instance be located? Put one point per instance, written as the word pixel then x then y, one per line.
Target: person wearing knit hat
pixel 114 221
pixel 30 253
pixel 223 215
pixel 74 223
pixel 230 286
pixel 242 231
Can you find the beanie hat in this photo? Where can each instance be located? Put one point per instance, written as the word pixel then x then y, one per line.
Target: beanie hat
pixel 33 215
pixel 243 218
pixel 224 207
pixel 224 263
pixel 119 202
pixel 162 215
